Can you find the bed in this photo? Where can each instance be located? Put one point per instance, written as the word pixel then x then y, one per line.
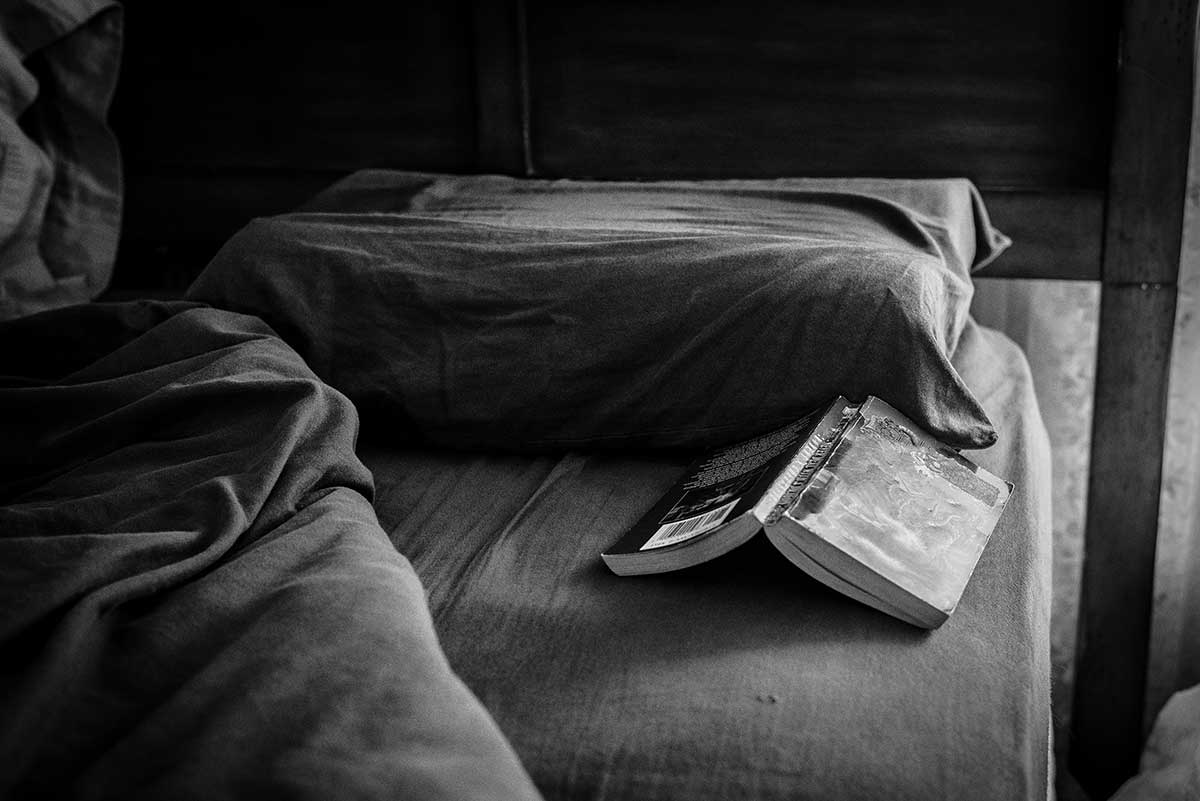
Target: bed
pixel 328 522
pixel 192 519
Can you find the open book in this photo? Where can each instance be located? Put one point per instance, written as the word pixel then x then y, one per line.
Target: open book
pixel 855 495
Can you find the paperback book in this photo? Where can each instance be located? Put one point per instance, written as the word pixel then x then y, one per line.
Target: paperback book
pixel 856 495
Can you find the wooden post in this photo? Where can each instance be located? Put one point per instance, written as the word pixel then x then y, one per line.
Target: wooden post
pixel 501 87
pixel 1143 235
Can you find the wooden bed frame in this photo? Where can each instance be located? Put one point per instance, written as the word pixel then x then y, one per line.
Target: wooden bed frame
pixel 1075 119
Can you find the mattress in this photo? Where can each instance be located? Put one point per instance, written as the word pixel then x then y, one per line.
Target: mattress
pixel 741 678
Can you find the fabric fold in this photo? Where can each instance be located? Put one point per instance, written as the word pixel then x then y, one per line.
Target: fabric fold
pixel 196 598
pixel 60 166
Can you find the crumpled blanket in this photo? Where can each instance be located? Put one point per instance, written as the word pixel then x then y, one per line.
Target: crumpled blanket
pixel 1170 767
pixel 60 168
pixel 196 599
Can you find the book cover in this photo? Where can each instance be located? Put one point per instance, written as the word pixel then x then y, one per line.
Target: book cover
pixel 711 509
pixel 896 513
pixel 855 495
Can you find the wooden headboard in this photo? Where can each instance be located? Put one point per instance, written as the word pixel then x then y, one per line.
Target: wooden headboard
pixel 1073 116
pixel 251 107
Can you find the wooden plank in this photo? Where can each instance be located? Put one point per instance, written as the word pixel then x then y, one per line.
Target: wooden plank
pixel 1144 225
pixel 1012 95
pixel 501 88
pixel 1055 235
pixel 296 86
pixel 182 205
pixel 1119 543
pixel 1151 141
pixel 175 221
pixel 1175 629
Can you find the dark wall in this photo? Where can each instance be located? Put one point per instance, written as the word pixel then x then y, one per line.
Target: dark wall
pixel 249 107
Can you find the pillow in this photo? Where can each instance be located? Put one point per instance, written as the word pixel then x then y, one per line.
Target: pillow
pixel 534 315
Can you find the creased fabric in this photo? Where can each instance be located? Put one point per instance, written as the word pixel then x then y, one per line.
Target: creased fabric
pixel 196 599
pixel 60 169
pixel 1170 763
pixel 534 315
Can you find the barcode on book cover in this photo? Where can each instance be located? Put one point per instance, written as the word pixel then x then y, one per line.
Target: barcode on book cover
pixel 689 527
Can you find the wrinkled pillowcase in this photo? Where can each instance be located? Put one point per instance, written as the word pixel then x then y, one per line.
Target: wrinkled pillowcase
pixel 529 337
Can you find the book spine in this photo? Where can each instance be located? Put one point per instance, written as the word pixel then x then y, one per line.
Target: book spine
pixel 808 460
